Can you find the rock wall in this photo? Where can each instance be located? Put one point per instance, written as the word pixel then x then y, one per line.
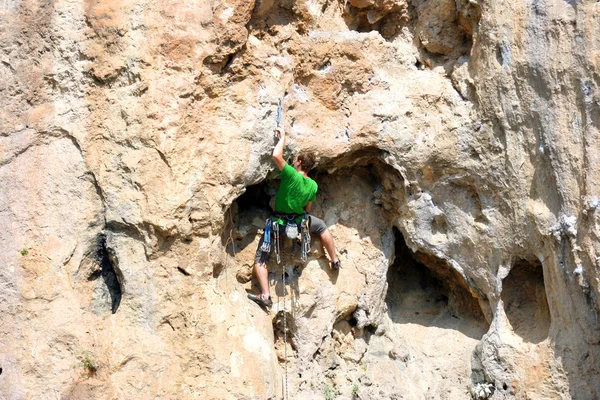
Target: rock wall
pixel 458 164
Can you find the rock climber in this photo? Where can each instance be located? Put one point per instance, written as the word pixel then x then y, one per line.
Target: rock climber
pixel 295 196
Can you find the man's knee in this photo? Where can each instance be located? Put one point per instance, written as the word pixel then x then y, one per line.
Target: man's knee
pixel 317 226
pixel 259 265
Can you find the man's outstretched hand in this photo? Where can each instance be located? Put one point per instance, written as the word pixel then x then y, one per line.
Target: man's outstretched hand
pixel 279 132
pixel 278 150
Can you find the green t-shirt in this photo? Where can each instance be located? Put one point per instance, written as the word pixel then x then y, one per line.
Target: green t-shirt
pixel 295 191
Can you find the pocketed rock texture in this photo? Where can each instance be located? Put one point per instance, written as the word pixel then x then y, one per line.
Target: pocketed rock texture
pixel 458 163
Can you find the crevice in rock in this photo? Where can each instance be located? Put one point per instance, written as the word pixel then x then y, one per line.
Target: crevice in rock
pixel 444 31
pixel 222 64
pixel 525 303
pixel 116 78
pixel 100 194
pixel 270 17
pixel 109 270
pixel 125 229
pixel 232 38
pixel 352 321
pixel 229 61
pixel 388 22
pixel 163 157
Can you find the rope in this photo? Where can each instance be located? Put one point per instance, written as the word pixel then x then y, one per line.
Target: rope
pixel 285 392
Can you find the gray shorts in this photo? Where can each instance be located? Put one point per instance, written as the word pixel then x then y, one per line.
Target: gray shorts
pixel 316 226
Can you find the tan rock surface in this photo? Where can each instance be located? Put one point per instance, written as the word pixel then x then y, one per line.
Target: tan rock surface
pixel 458 164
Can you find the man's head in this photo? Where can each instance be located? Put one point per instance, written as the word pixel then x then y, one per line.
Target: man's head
pixel 305 161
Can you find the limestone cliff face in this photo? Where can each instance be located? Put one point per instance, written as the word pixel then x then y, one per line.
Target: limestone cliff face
pixel 458 163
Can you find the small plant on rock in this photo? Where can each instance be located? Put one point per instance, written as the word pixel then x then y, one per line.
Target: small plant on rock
pixel 482 390
pixel 329 392
pixel 24 252
pixel 87 362
pixel 355 389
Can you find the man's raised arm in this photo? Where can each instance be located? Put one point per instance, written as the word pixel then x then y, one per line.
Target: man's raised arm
pixel 278 150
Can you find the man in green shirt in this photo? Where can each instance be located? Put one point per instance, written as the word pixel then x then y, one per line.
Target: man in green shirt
pixel 296 195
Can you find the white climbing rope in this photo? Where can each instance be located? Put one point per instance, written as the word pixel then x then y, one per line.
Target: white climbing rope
pixel 285 387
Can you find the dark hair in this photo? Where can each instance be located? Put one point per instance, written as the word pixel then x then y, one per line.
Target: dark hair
pixel 308 160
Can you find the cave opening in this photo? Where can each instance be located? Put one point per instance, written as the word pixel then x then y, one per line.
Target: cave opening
pixel 436 321
pixel 425 290
pixel 247 215
pixel 525 302
pixel 255 198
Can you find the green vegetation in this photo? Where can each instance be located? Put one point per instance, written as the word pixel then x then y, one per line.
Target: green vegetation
pixel 355 389
pixel 87 362
pixel 329 392
pixel 24 252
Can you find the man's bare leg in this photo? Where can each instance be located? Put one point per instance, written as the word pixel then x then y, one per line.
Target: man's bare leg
pixel 327 240
pixel 262 276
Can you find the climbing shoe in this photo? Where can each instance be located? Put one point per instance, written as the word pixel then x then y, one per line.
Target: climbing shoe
pixel 259 300
pixel 335 265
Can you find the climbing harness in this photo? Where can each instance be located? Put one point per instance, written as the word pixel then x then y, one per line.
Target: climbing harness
pixel 293 225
